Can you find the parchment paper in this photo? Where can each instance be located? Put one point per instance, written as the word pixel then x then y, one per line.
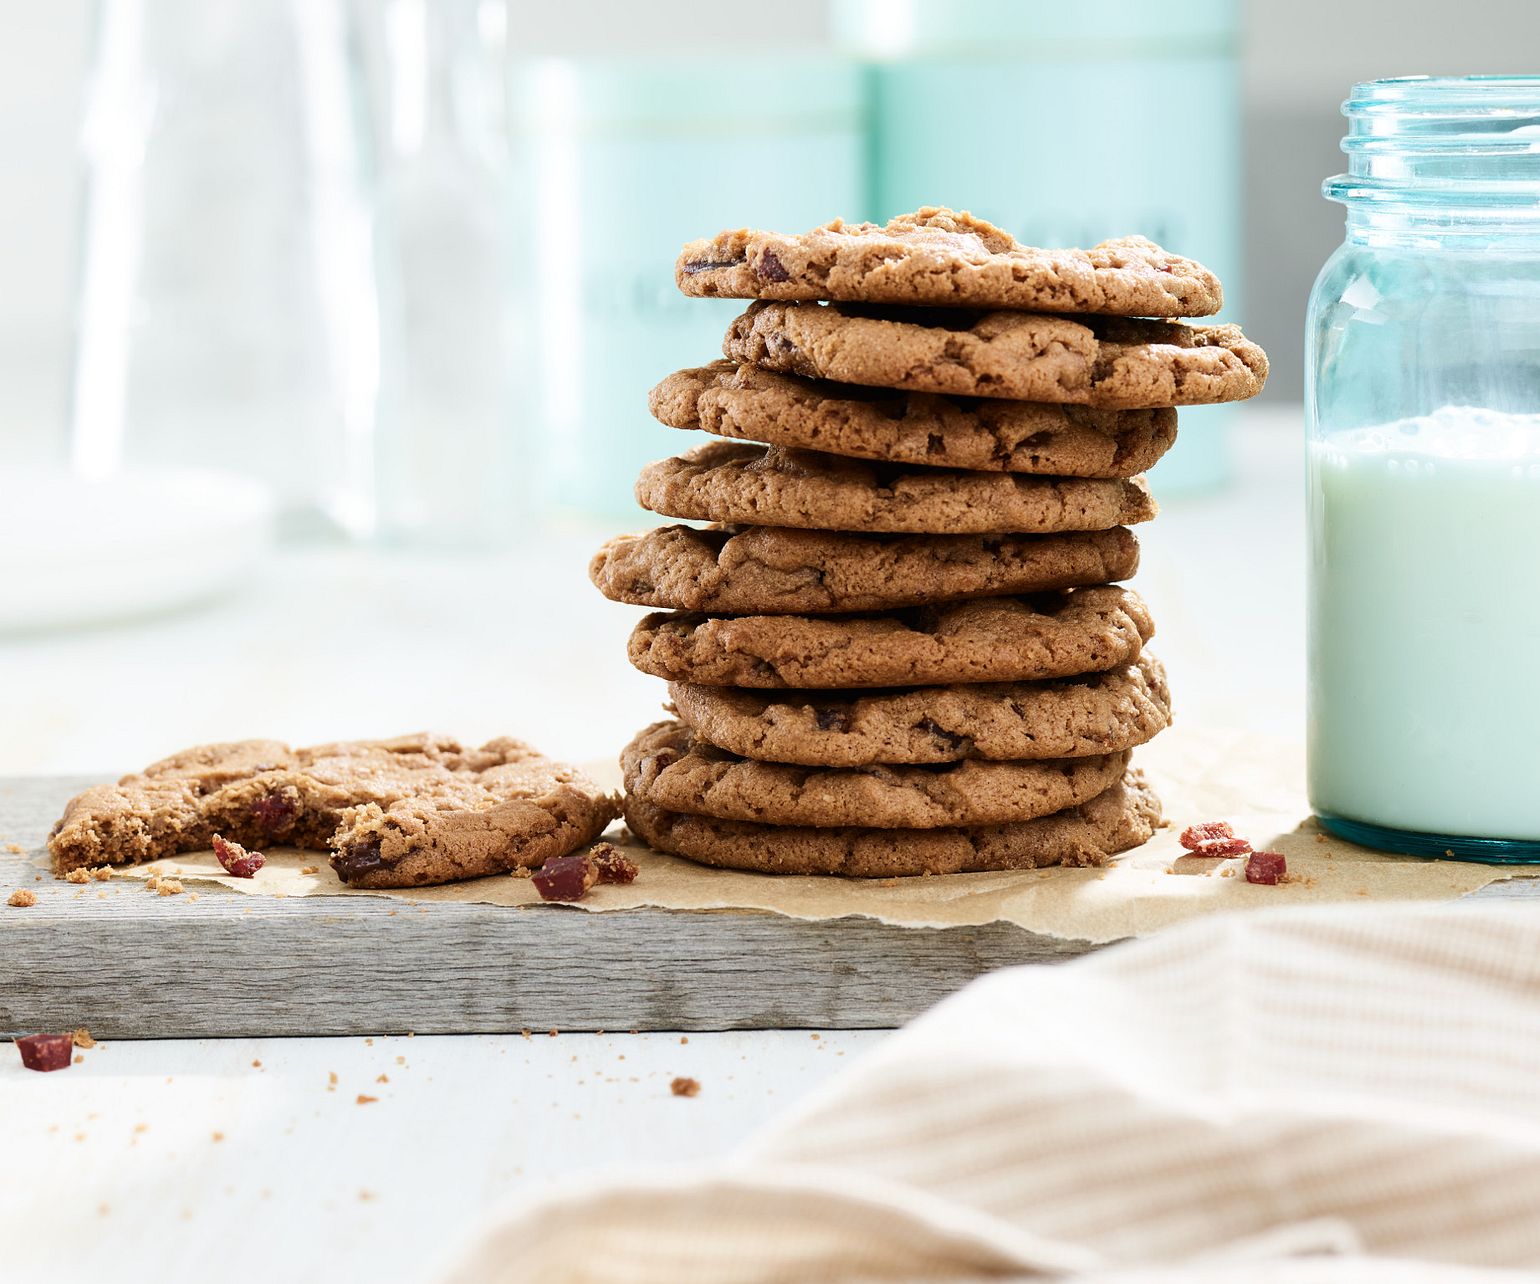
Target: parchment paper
pixel 1200 775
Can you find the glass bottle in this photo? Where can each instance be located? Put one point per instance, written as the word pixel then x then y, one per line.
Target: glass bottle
pixel 226 301
pixel 1423 403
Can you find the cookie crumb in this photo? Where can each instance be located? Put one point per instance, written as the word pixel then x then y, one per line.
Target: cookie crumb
pixel 382 1078
pixel 309 869
pixel 77 876
pixel 21 898
pixel 364 1099
pixel 216 1137
pixel 553 1032
pixel 256 1064
pixel 82 1038
pixel 684 1038
pixel 613 865
pixel 102 873
pixel 79 1057
pixel 169 887
pixel 683 1086
pixel 15 849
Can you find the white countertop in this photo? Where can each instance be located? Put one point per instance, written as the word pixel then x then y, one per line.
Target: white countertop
pixel 340 643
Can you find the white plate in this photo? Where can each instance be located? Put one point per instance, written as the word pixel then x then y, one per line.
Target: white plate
pixel 78 551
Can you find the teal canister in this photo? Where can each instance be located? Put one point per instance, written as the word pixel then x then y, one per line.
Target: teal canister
pixel 1066 124
pixel 616 164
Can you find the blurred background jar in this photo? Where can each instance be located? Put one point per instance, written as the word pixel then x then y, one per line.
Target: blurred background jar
pixel 446 442
pixel 1066 125
pixel 226 303
pixel 1423 402
pixel 617 161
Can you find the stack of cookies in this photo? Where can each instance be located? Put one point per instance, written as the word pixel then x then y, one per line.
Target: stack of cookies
pixel 900 647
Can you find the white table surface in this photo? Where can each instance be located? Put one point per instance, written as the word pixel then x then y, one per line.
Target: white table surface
pixel 113 1170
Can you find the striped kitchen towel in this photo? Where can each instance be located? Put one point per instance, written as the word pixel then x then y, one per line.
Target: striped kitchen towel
pixel 1306 1095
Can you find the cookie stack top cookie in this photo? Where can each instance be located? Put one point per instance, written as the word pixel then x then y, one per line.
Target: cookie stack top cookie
pixel 899 646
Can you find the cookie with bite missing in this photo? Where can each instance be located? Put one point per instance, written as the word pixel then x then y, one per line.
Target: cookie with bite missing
pixel 1116 820
pixel 407 812
pixel 946 257
pixel 767 570
pixel 747 484
pixel 986 434
pixel 667 766
pixel 998 639
pixel 1102 362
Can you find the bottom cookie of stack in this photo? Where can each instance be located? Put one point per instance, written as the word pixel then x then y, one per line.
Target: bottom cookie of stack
pixel 692 799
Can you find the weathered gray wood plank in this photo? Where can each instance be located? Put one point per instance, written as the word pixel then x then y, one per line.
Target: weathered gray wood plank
pixel 135 966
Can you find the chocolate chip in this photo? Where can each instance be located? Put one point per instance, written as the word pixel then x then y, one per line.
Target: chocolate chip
pixel 771 269
pixel 949 738
pixel 832 719
pixel 702 265
pixel 357 858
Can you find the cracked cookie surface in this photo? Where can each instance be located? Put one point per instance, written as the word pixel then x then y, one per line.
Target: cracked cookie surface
pixel 1116 820
pixel 667 766
pixel 746 484
pixel 777 570
pixel 1102 362
pixel 406 812
pixel 1013 639
pixel 988 434
pixel 1064 718
pixel 941 256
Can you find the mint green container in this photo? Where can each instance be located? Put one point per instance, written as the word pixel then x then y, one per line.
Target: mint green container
pixel 616 164
pixel 1066 124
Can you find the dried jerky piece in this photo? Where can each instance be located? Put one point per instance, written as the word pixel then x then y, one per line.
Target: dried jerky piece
pixel 1214 839
pixel 237 861
pixel 1194 836
pixel 46 1051
pixel 612 864
pixel 1266 867
pixel 565 878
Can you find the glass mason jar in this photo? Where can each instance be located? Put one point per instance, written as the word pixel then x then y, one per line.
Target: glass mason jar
pixel 1423 402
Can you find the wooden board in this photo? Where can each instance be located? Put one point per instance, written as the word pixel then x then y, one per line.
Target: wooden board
pixel 128 965
pixel 135 966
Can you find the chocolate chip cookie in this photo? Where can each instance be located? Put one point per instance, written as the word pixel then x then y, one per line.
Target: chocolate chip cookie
pixel 1063 718
pixel 1103 362
pixel 767 570
pixel 742 483
pixel 394 813
pixel 998 639
pixel 669 767
pixel 987 434
pixel 941 256
pixel 1122 817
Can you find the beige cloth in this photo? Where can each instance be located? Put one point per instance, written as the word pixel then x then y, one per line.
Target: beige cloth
pixel 1343 1093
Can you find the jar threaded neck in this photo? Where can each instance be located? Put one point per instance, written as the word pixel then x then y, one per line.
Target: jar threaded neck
pixel 1437 146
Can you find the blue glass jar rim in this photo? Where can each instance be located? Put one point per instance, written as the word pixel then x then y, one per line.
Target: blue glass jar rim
pixel 1445 95
pixel 1450 142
